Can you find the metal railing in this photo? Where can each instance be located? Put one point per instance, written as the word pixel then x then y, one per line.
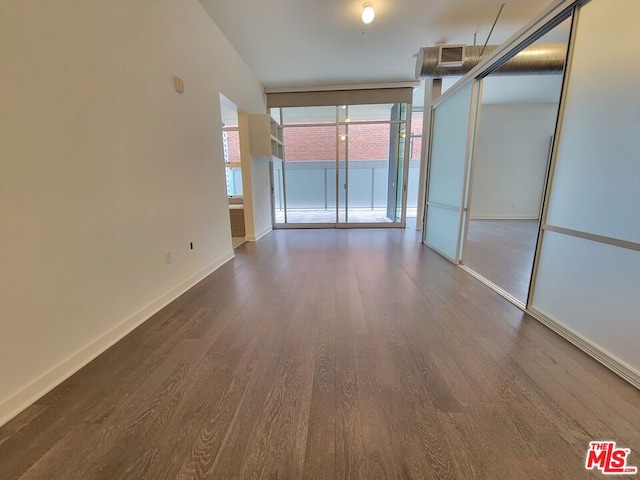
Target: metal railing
pixel 312 184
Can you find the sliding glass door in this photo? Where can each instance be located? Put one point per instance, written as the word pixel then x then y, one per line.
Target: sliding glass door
pixel 343 166
pixel 310 174
pixel 448 171
pixel 375 152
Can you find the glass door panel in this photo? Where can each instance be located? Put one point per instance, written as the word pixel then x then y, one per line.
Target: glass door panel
pixel 400 171
pixel 394 163
pixel 341 179
pixel 373 161
pixel 277 191
pixel 415 150
pixel 309 172
pixel 364 167
pixel 345 169
pixel 447 175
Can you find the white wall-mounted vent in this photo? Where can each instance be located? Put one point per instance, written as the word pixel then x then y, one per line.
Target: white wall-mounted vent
pixel 451 55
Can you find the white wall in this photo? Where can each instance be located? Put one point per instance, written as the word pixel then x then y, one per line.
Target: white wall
pixel 261 196
pixel 256 182
pixel 511 159
pixel 104 169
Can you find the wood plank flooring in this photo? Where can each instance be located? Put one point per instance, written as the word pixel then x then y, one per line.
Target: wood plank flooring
pixel 502 251
pixel 329 354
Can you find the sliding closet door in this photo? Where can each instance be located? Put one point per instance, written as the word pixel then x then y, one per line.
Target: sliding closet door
pixel 588 276
pixel 447 172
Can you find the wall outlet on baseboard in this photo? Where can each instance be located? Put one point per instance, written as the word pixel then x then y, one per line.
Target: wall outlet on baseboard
pixel 167 257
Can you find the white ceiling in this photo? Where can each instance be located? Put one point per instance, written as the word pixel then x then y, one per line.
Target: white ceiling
pixel 303 42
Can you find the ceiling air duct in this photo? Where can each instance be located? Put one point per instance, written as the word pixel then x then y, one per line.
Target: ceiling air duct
pixel 537 59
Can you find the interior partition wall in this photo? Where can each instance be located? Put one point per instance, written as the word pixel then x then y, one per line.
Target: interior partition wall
pixel 586 275
pixel 451 137
pixel 517 117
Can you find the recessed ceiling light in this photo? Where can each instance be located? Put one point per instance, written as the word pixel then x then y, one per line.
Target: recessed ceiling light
pixel 368 13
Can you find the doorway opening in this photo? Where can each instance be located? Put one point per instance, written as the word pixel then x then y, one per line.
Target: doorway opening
pixel 509 168
pixel 233 170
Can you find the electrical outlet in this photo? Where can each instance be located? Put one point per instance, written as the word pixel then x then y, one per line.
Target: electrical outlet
pixel 167 257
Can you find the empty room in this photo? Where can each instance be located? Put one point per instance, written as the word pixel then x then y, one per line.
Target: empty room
pixel 319 240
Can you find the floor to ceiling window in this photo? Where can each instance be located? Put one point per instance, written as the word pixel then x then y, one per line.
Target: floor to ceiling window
pixel 343 165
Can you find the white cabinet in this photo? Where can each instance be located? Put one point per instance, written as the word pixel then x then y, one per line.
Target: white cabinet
pixel 265 136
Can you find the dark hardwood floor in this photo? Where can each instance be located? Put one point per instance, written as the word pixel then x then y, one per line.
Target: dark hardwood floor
pixel 502 251
pixel 329 354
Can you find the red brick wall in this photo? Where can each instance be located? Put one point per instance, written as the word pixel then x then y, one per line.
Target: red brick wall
pixel 310 143
pixel 233 143
pixel 366 142
pixel 416 129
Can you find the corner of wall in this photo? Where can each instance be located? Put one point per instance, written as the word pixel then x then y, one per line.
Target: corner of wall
pixel 16 403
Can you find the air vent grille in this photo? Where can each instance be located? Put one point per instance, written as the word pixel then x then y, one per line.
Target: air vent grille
pixel 451 56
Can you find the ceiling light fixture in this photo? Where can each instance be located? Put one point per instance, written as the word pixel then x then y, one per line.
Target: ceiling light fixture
pixel 368 13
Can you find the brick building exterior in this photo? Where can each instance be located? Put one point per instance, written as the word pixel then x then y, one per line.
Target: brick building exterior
pixel 366 142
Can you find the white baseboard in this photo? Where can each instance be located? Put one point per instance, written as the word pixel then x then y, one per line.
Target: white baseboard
pixel 503 217
pixel 259 235
pixel 613 363
pixel 22 399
